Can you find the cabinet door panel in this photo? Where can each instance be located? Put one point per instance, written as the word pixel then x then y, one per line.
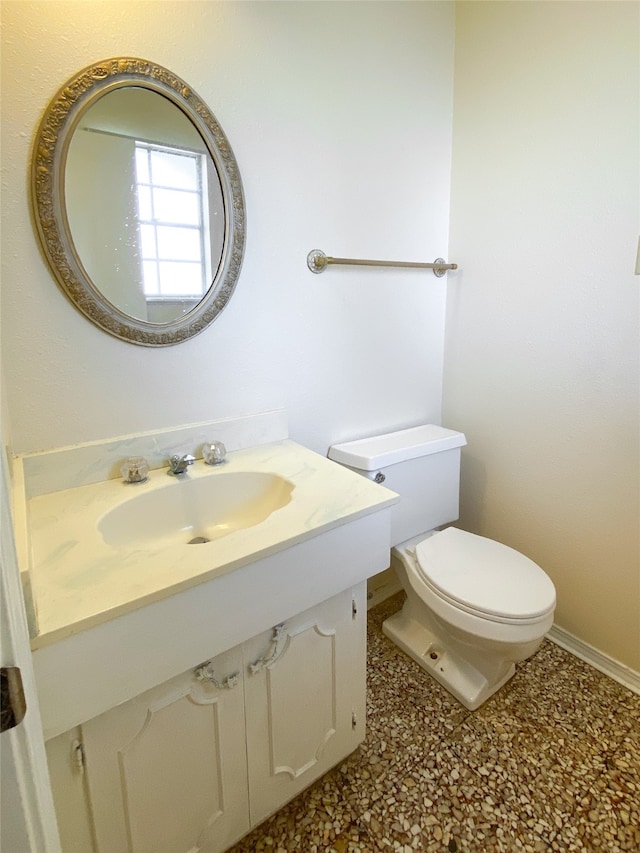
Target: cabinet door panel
pixel 304 685
pixel 167 770
pixel 301 700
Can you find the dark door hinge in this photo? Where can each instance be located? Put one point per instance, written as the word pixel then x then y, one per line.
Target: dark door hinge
pixel 12 701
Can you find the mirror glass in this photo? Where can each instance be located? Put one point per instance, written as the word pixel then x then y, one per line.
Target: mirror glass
pixel 137 156
pixel 139 203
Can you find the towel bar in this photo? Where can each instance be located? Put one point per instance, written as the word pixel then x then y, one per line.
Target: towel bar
pixel 317 262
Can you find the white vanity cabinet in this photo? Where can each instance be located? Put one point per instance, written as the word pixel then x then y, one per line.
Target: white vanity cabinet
pixel 192 764
pixel 144 755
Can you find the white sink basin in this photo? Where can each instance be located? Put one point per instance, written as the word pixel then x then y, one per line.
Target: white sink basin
pixel 195 511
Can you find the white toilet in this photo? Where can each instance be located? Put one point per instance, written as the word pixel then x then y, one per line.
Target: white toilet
pixel 474 607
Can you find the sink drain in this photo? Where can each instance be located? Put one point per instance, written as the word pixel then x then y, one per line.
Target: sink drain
pixel 197 540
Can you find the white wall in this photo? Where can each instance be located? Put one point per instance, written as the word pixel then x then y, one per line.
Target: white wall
pixel 542 367
pixel 339 115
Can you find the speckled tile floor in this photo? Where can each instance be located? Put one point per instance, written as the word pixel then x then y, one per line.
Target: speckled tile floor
pixel 552 762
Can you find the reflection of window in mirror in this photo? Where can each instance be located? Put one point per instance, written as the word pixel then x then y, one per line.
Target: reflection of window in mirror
pixel 173 226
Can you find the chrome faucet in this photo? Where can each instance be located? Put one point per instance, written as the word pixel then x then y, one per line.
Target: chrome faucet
pixel 179 464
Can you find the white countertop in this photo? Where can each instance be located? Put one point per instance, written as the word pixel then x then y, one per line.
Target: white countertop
pixel 79 581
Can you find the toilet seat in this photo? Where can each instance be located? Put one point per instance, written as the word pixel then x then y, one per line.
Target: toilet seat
pixel 484 578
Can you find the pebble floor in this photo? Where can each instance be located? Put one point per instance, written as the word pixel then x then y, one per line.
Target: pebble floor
pixel 552 762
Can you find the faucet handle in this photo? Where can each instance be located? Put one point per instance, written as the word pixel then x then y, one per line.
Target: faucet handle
pixel 135 469
pixel 214 453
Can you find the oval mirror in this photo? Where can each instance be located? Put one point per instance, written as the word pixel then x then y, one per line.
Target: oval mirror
pixel 138 202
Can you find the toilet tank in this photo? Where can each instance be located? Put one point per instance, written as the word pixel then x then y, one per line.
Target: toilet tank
pixel 421 464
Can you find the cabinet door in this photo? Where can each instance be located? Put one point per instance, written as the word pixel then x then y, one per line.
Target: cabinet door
pixel 167 770
pixel 305 698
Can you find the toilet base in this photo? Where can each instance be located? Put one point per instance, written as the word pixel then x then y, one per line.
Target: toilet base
pixel 454 672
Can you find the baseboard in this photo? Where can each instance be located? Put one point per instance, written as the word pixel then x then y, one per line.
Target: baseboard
pixel 382 586
pixel 614 669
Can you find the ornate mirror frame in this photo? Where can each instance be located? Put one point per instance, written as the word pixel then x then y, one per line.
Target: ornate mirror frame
pixel 48 188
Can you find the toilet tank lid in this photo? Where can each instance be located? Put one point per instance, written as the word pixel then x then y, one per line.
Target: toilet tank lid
pixel 379 451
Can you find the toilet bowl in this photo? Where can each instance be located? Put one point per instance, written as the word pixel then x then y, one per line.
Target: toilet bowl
pixel 474 607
